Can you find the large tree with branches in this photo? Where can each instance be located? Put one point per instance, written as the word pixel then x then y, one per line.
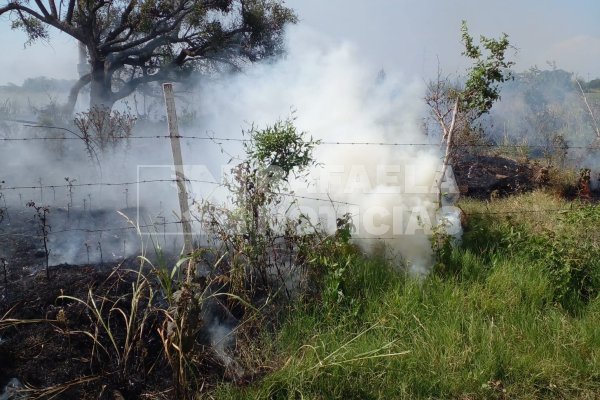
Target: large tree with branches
pixel 134 42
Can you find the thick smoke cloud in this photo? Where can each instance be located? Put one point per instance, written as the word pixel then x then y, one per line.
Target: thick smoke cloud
pixel 387 185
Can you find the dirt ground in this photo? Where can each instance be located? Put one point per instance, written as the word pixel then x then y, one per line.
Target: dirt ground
pixel 45 342
pixel 42 343
pixel 55 347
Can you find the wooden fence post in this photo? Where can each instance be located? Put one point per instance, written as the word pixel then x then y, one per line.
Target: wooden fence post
pixel 178 164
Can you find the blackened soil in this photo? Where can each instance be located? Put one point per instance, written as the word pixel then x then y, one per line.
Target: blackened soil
pixel 44 344
pixel 487 176
pixel 53 343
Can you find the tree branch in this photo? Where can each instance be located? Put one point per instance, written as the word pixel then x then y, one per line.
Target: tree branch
pixel 70 11
pixel 123 25
pixel 42 8
pixel 53 8
pixel 449 150
pixel 48 19
pixel 18 7
pixel 589 109
pixel 74 93
pixel 130 86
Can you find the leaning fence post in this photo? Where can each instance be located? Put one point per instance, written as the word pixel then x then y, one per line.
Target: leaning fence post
pixel 178 164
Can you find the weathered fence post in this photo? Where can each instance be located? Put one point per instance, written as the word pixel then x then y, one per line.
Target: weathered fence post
pixel 178 164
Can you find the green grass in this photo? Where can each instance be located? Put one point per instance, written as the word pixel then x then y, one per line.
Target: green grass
pixel 512 313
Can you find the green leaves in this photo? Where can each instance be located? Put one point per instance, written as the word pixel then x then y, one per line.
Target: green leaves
pixel 488 71
pixel 281 146
pixel 33 27
pixel 471 50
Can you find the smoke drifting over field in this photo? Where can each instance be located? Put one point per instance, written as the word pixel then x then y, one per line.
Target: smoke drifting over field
pixel 546 110
pixel 336 98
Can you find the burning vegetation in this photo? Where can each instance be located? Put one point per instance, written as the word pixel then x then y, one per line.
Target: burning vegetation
pixel 466 269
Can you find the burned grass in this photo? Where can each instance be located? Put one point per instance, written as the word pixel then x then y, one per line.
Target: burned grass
pixel 53 344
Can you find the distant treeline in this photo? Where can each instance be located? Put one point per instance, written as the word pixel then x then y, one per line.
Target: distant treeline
pixel 555 77
pixel 41 84
pixel 545 107
pixel 592 85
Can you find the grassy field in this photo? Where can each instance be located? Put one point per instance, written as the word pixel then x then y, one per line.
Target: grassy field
pixel 510 313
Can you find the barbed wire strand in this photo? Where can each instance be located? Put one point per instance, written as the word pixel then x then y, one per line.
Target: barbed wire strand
pixel 161 224
pixel 73 185
pixel 324 143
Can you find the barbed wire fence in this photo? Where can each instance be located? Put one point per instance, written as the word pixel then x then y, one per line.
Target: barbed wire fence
pixel 85 219
pixel 321 143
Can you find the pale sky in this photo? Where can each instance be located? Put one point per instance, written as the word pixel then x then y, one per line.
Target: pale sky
pixel 406 36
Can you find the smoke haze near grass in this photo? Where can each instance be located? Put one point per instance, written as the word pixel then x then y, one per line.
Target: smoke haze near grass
pixel 334 96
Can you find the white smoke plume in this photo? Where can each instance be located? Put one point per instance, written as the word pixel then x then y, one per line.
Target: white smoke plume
pixel 388 185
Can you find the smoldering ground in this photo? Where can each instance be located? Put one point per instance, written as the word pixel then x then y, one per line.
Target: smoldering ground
pixel 368 122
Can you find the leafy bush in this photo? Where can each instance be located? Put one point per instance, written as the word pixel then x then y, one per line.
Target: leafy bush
pixel 262 243
pixel 560 242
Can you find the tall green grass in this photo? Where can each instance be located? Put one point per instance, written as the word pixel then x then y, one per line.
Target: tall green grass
pixel 495 319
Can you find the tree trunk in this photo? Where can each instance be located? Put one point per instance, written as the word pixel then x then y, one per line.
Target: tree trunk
pixel 448 136
pixel 100 87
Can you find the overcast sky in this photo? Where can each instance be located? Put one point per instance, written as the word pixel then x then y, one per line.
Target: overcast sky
pixel 406 36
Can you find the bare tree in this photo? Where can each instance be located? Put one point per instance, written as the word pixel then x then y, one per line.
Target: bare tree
pixel 589 109
pixel 455 107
